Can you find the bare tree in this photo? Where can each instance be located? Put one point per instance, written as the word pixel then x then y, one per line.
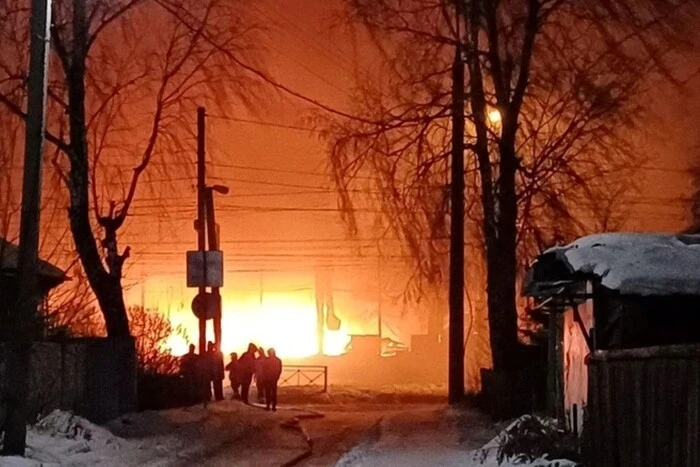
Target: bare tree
pixel 71 310
pixel 127 74
pixel 553 88
pixel 152 331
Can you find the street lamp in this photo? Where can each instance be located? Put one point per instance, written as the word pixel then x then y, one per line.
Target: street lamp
pixel 494 117
pixel 219 189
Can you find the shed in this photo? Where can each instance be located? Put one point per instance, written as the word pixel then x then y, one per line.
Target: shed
pixel 645 287
pixel 617 303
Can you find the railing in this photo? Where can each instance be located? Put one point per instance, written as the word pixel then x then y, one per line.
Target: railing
pixel 304 376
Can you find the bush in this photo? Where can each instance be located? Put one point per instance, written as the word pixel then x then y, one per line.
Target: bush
pixel 152 330
pixel 532 438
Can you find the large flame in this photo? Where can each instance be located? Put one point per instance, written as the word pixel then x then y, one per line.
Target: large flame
pixel 285 322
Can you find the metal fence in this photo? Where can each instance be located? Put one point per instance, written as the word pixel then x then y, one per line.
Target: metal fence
pixel 644 407
pixel 304 376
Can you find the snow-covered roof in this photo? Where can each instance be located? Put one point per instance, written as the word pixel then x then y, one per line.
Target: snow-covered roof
pixel 632 263
pixel 9 260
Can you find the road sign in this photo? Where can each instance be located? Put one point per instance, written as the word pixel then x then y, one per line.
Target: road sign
pixel 214 266
pixel 206 305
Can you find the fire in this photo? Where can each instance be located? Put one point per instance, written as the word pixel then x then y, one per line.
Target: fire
pixel 285 322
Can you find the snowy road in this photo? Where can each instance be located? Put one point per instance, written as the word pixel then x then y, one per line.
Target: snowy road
pixel 340 430
pixel 231 434
pixel 420 436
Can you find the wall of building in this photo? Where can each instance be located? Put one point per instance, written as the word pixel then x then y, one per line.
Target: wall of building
pixel 575 369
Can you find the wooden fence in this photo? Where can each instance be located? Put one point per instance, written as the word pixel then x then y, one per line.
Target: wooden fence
pixel 92 377
pixel 644 407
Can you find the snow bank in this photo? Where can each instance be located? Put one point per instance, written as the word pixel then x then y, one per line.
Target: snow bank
pixel 62 438
pixel 213 435
pixel 637 263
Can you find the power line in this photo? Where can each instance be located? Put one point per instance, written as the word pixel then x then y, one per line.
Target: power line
pixel 264 123
pixel 268 169
pixel 306 240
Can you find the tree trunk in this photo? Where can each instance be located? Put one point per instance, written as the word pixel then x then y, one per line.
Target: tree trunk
pixel 107 287
pixel 503 329
pixel 502 265
pixel 110 296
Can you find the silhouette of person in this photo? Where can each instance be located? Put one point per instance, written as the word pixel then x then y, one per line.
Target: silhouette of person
pixel 233 375
pixel 188 362
pixel 203 372
pixel 259 375
pixel 272 371
pixel 188 370
pixel 246 367
pixel 216 359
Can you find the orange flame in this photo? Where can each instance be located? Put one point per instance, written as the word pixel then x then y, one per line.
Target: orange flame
pixel 285 322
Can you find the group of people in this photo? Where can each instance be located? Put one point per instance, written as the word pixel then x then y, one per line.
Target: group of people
pixel 204 374
pixel 254 364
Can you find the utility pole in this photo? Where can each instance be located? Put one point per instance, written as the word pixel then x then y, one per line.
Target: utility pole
pixel 23 318
pixel 214 246
pixel 456 293
pixel 379 299
pixel 201 217
pixel 216 293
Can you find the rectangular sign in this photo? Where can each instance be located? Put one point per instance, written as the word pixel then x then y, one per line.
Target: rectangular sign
pixel 195 268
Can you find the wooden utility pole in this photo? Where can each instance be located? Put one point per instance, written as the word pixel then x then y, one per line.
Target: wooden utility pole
pixel 201 217
pixel 23 319
pixel 214 246
pixel 456 294
pixel 216 293
pixel 379 300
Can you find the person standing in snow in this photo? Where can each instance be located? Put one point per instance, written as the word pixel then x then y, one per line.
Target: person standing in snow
pixel 259 375
pixel 233 377
pixel 188 370
pixel 216 359
pixel 246 367
pixel 188 363
pixel 203 372
pixel 272 370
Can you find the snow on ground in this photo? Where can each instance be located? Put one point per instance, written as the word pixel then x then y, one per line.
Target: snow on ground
pixel 638 263
pixel 363 433
pixel 437 438
pixel 223 433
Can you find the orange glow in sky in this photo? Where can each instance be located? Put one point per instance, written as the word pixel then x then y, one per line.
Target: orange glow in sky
pixel 283 321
